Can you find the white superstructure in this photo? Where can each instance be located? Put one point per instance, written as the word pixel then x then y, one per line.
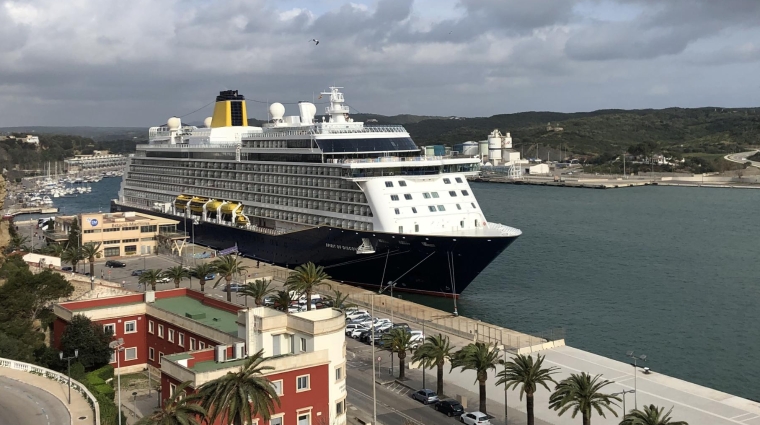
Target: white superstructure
pixel 301 171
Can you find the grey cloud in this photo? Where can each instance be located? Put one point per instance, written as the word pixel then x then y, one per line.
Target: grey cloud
pixel 13 36
pixel 663 28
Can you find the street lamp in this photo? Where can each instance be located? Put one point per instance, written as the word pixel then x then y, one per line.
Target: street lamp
pixel 635 358
pixel 68 360
pixel 118 347
pixel 391 284
pixel 623 393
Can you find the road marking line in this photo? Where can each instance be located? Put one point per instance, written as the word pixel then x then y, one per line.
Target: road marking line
pixel 743 414
pixel 751 418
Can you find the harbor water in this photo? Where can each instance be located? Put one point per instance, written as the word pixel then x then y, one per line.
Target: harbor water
pixel 663 271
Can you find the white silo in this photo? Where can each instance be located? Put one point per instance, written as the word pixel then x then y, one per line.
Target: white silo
pixel 483 148
pixel 469 148
pixel 494 147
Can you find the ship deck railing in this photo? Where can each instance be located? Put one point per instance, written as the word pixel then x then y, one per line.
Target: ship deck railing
pixel 383 159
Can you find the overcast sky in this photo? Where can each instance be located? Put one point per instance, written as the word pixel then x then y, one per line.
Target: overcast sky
pixel 138 62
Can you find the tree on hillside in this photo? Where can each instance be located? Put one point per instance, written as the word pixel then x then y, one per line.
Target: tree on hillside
pixel 75 234
pixel 90 339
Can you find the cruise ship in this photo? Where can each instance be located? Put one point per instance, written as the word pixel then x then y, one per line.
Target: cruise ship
pixel 362 201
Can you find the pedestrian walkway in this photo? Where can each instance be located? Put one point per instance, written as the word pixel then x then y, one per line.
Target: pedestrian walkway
pixel 81 412
pixel 136 406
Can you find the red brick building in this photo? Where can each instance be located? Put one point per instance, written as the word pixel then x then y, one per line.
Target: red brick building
pixel 192 337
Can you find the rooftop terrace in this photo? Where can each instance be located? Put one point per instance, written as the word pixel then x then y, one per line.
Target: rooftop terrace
pixel 195 310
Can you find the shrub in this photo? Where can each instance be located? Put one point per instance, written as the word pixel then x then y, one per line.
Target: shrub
pixel 105 373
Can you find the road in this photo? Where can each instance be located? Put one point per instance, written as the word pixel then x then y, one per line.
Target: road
pixel 394 403
pixel 22 404
pixel 741 157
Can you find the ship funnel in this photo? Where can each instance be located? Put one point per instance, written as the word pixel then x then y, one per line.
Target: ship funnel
pixel 229 110
pixel 307 111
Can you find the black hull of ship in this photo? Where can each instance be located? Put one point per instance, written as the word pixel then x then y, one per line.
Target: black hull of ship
pixel 420 264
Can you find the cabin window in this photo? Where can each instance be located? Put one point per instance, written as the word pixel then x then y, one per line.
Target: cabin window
pixel 414 210
pixel 461 224
pixel 459 207
pixel 431 208
pixel 408 196
pixel 397 211
pixel 402 183
pixel 465 193
pixel 388 184
pixel 426 195
pixel 417 228
pixel 435 194
pixel 473 205
pixel 453 193
pixel 458 179
pixel 401 229
pixel 446 181
pixel 441 208
pixel 394 197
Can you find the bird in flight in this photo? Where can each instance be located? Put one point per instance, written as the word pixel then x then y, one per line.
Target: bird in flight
pixel 316 42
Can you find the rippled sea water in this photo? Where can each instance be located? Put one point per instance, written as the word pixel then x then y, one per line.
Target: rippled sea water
pixel 670 272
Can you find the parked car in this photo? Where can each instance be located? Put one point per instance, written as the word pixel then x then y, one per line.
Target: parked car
pixel 268 301
pixel 114 263
pixel 383 327
pixel 138 272
pixel 234 287
pixel 352 326
pixel 426 396
pixel 417 338
pixel 380 320
pixel 356 333
pixel 67 269
pixel 356 313
pixel 449 408
pixel 163 280
pixel 402 325
pixel 475 418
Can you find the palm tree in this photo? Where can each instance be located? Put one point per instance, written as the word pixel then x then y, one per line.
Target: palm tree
pixel 282 300
pixel 227 266
pixel 258 289
pixel 54 249
pixel 479 357
pixel 201 271
pixel 340 300
pixel 305 279
pixel 71 255
pixel 176 273
pixel 179 409
pixel 18 242
pixel 651 415
pixel 434 352
pixel 582 394
pixel 522 370
pixel 90 251
pixel 237 398
pixel 398 340
pixel 149 277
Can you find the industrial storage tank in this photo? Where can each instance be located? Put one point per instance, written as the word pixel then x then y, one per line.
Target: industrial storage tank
pixel 483 148
pixel 494 146
pixel 469 148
